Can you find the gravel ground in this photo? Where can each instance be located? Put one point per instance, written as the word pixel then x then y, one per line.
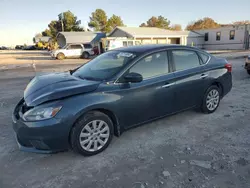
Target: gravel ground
pixel 186 150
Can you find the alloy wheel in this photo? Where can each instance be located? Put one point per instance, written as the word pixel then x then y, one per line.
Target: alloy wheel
pixel 213 99
pixel 94 135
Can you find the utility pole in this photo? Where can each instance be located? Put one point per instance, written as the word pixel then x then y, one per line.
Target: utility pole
pixel 61 18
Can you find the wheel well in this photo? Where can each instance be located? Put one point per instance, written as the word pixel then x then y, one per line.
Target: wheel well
pixel 113 118
pixel 110 114
pixel 218 84
pixel 60 53
pixel 85 52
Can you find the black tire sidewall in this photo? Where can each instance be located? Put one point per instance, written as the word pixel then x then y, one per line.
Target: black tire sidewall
pixel 85 55
pixel 204 105
pixel 248 71
pixel 75 143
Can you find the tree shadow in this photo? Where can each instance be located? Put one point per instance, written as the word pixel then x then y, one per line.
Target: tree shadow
pixel 28 52
pixel 35 58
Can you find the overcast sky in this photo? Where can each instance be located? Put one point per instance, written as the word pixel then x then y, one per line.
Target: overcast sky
pixel 22 19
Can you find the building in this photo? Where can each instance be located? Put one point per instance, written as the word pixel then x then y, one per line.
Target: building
pixel 64 38
pixel 230 37
pixel 153 35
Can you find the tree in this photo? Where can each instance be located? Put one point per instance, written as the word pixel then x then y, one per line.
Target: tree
pixel 47 33
pixel 113 22
pixel 205 23
pixel 98 20
pixel 159 22
pixel 143 25
pixel 70 23
pixel 176 27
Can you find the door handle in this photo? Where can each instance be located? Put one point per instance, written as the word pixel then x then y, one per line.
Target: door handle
pixel 168 85
pixel 204 76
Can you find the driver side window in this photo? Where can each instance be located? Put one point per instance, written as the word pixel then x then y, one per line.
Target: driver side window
pixel 153 65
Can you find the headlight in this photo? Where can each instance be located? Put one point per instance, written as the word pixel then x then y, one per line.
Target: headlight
pixel 41 113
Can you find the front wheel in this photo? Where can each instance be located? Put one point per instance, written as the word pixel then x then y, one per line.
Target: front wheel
pixel 60 56
pixel 92 133
pixel 211 99
pixel 248 71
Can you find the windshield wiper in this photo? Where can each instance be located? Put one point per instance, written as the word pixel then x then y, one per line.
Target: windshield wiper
pixel 89 78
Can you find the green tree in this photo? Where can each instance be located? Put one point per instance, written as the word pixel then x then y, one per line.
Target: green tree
pixel 99 20
pixel 159 22
pixel 176 27
pixel 143 25
pixel 70 23
pixel 205 23
pixel 113 22
pixel 47 33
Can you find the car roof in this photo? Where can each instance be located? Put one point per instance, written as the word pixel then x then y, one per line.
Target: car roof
pixel 152 47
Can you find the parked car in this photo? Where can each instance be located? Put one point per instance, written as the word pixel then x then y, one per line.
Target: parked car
pixel 4 48
pixel 32 47
pixel 19 47
pixel 83 108
pixel 247 64
pixel 73 51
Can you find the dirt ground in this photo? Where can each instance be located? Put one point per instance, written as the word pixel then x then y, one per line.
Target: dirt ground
pixel 186 150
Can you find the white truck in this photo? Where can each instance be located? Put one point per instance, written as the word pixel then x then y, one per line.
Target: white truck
pixel 73 51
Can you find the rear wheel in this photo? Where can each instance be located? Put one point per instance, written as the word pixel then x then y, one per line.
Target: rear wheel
pixel 92 133
pixel 248 71
pixel 85 55
pixel 60 56
pixel 211 99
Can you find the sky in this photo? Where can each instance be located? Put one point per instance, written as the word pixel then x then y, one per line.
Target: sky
pixel 20 20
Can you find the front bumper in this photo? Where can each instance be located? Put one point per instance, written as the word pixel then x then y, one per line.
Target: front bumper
pixel 247 65
pixel 53 55
pixel 48 136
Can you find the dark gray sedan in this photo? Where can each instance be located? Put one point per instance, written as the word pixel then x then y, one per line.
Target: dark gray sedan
pixel 82 109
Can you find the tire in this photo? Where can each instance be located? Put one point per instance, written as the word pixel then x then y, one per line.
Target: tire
pixel 248 71
pixel 86 142
pixel 60 56
pixel 85 55
pixel 214 93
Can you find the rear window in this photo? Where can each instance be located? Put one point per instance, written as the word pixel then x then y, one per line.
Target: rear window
pixel 185 59
pixel 76 46
pixel 87 45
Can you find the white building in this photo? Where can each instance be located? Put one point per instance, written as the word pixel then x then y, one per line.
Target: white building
pixel 153 35
pixel 223 38
pixel 226 38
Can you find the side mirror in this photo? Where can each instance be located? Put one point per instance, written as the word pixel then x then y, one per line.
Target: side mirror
pixel 133 77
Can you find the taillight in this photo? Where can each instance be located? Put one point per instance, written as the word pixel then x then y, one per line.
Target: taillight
pixel 228 66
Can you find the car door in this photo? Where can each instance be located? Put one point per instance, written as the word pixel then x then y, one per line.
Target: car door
pixel 70 51
pixel 78 50
pixel 154 96
pixel 189 78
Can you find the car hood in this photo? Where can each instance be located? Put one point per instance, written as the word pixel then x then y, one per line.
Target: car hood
pixel 55 86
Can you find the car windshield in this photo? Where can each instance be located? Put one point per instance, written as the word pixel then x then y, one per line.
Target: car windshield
pixel 104 66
